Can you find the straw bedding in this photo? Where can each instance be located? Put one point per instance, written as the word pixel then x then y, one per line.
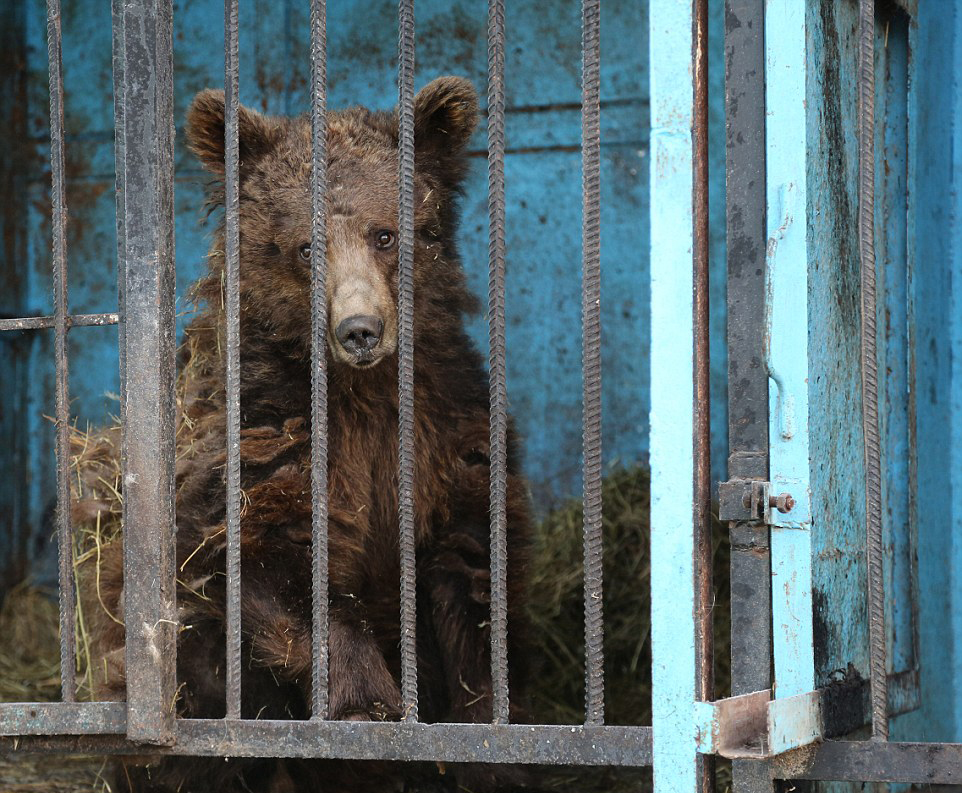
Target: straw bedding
pixel 29 647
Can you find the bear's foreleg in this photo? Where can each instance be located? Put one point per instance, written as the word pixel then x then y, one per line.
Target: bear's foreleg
pixel 361 686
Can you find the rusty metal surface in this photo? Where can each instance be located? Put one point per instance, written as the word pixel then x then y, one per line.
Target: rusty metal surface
pixel 742 726
pixel 875 761
pixel 701 421
pixel 58 210
pixel 456 743
pixel 319 319
pixel 591 357
pixel 869 360
pixel 232 304
pixel 70 320
pixel 62 718
pixel 146 87
pixel 497 366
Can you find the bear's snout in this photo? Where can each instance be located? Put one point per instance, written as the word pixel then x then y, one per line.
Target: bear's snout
pixel 359 335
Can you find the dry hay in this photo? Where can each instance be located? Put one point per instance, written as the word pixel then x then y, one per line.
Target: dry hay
pixel 30 622
pixel 41 773
pixel 29 648
pixel 30 672
pixel 556 606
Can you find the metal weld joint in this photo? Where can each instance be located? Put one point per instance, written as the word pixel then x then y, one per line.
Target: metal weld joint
pixel 756 726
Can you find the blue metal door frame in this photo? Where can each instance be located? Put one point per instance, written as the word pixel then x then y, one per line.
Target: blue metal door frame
pixel 811 333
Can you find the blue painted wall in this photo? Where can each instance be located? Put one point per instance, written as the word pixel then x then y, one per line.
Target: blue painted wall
pixel 935 255
pixel 543 189
pixel 919 266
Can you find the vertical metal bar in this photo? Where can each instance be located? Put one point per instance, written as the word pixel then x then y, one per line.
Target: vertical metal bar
pixel 319 676
pixel 751 624
pixel 701 421
pixel 870 420
pixel 120 142
pixel 702 417
pixel 497 368
pixel 58 208
pixel 232 300
pixel 409 681
pixel 591 357
pixel 673 538
pixel 145 84
pixel 787 266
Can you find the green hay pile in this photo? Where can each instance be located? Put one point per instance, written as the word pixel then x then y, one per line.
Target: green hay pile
pixel 39 773
pixel 29 646
pixel 556 606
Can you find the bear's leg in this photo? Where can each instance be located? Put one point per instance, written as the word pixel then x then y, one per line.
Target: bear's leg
pixel 457 580
pixel 361 685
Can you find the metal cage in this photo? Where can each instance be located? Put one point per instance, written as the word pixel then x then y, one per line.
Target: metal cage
pixel 766 500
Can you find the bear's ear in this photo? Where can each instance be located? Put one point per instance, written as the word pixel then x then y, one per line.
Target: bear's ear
pixel 256 134
pixel 445 115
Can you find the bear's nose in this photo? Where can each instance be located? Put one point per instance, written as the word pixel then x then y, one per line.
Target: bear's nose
pixel 359 334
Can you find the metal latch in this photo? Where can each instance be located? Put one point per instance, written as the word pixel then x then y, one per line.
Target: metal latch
pixel 750 500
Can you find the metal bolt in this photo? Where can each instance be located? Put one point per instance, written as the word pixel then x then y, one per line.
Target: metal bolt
pixel 783 502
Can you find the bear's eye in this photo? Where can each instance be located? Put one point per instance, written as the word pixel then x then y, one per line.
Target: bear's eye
pixel 384 239
pixel 305 251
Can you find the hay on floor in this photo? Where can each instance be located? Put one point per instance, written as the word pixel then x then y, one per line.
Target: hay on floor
pixel 29 644
pixel 556 606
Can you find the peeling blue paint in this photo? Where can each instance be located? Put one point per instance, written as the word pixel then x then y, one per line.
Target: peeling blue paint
pixel 787 350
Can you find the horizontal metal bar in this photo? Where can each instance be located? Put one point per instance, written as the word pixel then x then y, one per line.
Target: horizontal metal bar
pixel 755 726
pixel 867 761
pixel 62 718
pixel 408 741
pixel 470 743
pixel 875 761
pixel 73 321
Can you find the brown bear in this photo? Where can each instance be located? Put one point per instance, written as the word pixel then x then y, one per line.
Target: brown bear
pixel 451 431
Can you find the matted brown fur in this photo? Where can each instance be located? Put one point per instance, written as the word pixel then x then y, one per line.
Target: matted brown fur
pixel 451 441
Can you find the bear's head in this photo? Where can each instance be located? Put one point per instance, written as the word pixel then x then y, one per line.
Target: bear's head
pixel 362 241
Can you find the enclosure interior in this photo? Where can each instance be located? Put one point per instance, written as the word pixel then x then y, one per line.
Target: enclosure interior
pixel 543 175
pixel 922 406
